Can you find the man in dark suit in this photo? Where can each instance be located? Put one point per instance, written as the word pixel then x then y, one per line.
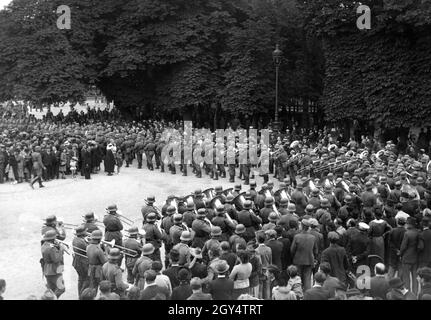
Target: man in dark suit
pixel 409 254
pixel 222 287
pixel 152 291
pixel 86 162
pixel 317 292
pixel 276 247
pixel 379 285
pixel 396 236
pixel 331 283
pixel 336 256
pixel 304 249
pixel 425 244
pixel 197 294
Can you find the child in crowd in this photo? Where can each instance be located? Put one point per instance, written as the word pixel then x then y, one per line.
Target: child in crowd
pixel 73 164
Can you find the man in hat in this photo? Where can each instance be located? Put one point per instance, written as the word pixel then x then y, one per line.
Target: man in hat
pixel 236 190
pixel 96 259
pixel 314 199
pixel 222 287
pixel 369 199
pixel 324 218
pixel 238 237
pixel 249 219
pixel 264 212
pixel 176 230
pixel 230 208
pixel 38 167
pixel 51 223
pixel 398 291
pixel 358 245
pixel 189 215
pixel 80 259
pixel 86 162
pixel 396 236
pixel 201 227
pixel 52 263
pixel 225 222
pixel 153 234
pixel 142 265
pixel 409 254
pixel 183 248
pixel 424 275
pixel 132 243
pixel 89 223
pixel 113 225
pixel 111 271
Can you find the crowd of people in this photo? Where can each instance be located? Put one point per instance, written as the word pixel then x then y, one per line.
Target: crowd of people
pixel 342 208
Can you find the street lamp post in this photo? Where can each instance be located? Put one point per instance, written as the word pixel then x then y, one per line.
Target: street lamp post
pixel 276 56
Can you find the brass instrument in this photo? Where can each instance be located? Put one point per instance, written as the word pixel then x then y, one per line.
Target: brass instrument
pixel 159 212
pixel 274 207
pixel 126 251
pixel 217 203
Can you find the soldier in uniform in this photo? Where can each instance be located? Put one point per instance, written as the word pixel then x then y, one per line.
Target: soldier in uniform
pixel 52 263
pixel 159 161
pixel 113 226
pixel 52 224
pixel 153 234
pixel 143 264
pixel 38 167
pixel 96 259
pixel 176 230
pixel 230 207
pixel 219 193
pixel 236 190
pixel 166 225
pixel 89 223
pixel 250 221
pixel 189 216
pixel 231 152
pixel 150 150
pixel 252 190
pixel 227 225
pixel 149 207
pixel 80 259
pixel 112 272
pixel 201 227
pixel 265 212
pixel 139 150
pixel 132 243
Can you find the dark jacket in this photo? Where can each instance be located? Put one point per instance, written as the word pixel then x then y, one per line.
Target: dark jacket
pixel 181 292
pixel 317 293
pixel 409 247
pixel 336 256
pixel 379 287
pixel 425 247
pixel 277 250
pixel 304 249
pixel 221 288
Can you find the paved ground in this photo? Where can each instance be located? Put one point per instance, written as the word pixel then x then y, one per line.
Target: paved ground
pixel 23 210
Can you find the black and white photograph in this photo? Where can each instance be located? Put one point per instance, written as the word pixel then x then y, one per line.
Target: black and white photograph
pixel 242 151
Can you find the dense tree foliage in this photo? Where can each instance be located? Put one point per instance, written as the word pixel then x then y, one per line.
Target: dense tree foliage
pixel 166 55
pixel 381 74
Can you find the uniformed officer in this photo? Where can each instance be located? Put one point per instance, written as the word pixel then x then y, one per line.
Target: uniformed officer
pixel 113 226
pixel 51 223
pixel 249 219
pixel 153 234
pixel 80 259
pixel 132 243
pixel 202 228
pixel 112 272
pixel 96 259
pixel 52 263
pixel 264 212
pixel 227 225
pixel 150 150
pixel 143 264
pixel 89 223
pixel 176 230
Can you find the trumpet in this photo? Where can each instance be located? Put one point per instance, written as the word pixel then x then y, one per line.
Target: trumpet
pixel 126 251
pixel 73 247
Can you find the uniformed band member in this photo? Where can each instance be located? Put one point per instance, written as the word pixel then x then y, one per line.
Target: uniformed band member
pixel 201 227
pixel 153 234
pixel 52 262
pixel 80 259
pixel 89 223
pixel 112 272
pixel 132 243
pixel 51 223
pixel 96 259
pixel 113 226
